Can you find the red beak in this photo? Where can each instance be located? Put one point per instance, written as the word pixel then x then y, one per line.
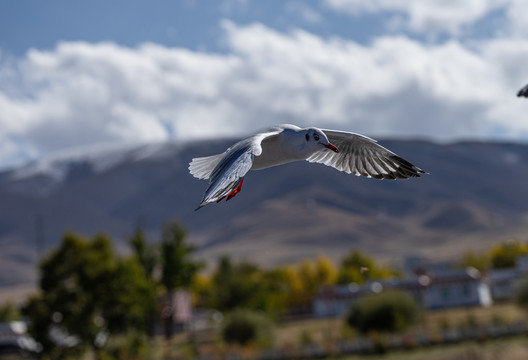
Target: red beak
pixel 331 147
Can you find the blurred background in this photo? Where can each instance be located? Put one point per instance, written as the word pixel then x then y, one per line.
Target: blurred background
pixel 104 104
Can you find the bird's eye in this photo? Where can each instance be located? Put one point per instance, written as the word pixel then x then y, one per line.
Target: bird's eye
pixel 307 137
pixel 316 137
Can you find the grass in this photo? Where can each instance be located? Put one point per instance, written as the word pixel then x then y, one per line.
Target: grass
pixel 326 333
pixel 309 331
pixel 327 330
pixel 511 349
pixel 460 317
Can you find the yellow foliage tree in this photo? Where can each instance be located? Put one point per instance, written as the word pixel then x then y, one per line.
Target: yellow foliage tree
pixel 357 267
pixel 504 255
pixel 480 261
pixel 326 271
pixel 305 279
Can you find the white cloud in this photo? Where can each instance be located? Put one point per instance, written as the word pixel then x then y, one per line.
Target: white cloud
pixel 516 15
pixel 81 93
pixel 303 11
pixel 395 85
pixel 430 16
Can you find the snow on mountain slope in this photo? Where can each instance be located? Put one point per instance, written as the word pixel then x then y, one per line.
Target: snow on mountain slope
pixel 57 167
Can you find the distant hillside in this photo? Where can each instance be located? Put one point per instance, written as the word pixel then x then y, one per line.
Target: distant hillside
pixel 475 193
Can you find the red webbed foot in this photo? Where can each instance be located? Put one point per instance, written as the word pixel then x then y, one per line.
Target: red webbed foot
pixel 233 193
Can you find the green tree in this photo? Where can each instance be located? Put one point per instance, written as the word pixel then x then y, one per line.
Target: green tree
pixel 273 297
pixel 243 285
pixel 144 253
pixel 388 311
pixel 8 312
pixel 147 256
pixel 177 267
pixel 235 285
pixel 88 295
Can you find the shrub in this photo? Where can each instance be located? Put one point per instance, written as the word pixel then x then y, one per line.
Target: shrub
pixel 521 294
pixel 389 311
pixel 245 326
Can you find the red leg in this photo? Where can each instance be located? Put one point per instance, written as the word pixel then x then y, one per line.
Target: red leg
pixel 233 193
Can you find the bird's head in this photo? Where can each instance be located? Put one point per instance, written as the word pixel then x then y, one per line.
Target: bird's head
pixel 317 138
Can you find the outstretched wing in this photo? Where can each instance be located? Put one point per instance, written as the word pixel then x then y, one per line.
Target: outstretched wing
pixel 229 169
pixel 523 92
pixel 361 155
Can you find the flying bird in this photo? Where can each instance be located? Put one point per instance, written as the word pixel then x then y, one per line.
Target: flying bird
pixel 344 151
pixel 523 92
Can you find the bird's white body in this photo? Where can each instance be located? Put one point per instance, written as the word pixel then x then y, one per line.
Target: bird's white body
pixel 285 147
pixel 345 151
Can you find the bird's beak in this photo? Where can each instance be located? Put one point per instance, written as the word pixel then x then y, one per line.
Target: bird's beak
pixel 331 147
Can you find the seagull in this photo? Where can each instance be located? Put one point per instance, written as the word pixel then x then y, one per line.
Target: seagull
pixel 523 92
pixel 345 151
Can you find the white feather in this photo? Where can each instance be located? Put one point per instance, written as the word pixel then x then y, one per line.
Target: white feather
pixel 202 167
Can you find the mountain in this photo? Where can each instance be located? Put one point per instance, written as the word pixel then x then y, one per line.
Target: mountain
pixel 475 193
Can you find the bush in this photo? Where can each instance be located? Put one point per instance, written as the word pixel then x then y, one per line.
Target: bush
pixel 521 294
pixel 244 326
pixel 389 311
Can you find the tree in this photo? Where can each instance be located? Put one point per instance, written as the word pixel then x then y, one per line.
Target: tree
pixel 325 271
pixel 235 285
pixel 305 279
pixel 273 297
pixel 177 268
pixel 88 294
pixel 357 267
pixel 389 311
pixel 8 312
pixel 245 285
pixel 145 254
pixel 504 255
pixel 480 261
pixel 147 257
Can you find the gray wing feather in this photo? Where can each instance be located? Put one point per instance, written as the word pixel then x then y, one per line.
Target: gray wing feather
pixel 233 165
pixel 361 155
pixel 227 175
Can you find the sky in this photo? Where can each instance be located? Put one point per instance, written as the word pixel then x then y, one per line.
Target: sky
pixel 83 74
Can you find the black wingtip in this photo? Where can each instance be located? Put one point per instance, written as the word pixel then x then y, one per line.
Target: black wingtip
pixel 406 169
pixel 201 206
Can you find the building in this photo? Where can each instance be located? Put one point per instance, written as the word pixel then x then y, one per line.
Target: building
pixel 503 282
pixel 336 300
pixel 443 289
pixel 457 288
pixel 15 342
